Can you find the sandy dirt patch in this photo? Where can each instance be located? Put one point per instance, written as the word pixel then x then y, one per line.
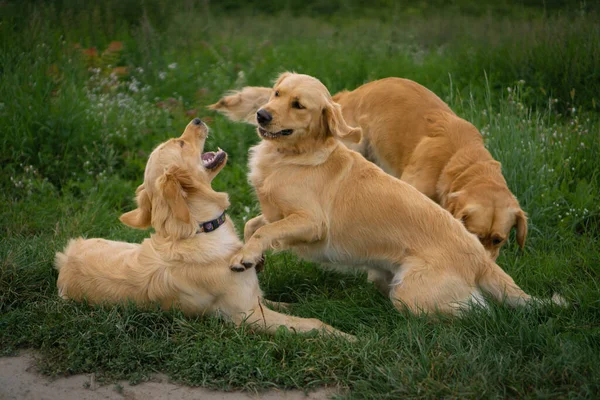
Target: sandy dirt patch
pixel 19 379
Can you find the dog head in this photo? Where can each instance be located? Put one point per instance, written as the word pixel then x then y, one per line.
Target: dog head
pixel 176 194
pixel 300 107
pixel 489 213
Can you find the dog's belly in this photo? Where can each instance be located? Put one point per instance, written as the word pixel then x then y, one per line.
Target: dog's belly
pixel 197 302
pixel 343 260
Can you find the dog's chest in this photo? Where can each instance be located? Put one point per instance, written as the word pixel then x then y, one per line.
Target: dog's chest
pixel 267 183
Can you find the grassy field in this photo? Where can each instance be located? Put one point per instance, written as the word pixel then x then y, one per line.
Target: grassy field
pixel 88 89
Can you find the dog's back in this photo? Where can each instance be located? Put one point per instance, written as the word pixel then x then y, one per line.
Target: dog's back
pixel 395 115
pixel 412 134
pixel 98 270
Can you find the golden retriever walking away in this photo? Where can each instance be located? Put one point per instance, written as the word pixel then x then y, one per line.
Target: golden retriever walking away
pixel 412 134
pixel 186 262
pixel 329 204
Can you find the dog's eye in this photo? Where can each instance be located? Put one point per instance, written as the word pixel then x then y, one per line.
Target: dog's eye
pixel 496 241
pixel 181 143
pixel 277 93
pixel 296 104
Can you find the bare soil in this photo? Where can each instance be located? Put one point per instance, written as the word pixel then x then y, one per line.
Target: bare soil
pixel 19 379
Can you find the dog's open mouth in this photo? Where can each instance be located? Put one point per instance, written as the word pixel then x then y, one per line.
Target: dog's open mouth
pixel 270 135
pixel 212 160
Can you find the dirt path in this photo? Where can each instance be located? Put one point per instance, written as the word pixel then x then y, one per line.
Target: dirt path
pixel 20 380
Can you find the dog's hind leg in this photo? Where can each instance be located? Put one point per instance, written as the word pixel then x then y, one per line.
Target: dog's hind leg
pixel 498 284
pixel 266 320
pixel 276 305
pixel 423 289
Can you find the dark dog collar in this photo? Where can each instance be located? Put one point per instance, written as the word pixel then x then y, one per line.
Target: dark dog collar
pixel 210 226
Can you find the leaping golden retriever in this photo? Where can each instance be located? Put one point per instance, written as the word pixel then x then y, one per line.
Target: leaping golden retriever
pixel 412 134
pixel 185 263
pixel 329 204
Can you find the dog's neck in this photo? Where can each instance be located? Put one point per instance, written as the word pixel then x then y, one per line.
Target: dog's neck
pixel 313 151
pixel 207 248
pixel 202 212
pixel 212 225
pixel 202 209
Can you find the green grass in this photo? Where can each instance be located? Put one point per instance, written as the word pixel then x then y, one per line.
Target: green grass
pixel 74 143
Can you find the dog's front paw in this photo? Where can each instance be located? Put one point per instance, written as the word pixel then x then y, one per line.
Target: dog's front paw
pixel 243 261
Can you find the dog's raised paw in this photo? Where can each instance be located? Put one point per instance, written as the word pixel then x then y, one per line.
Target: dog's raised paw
pixel 241 262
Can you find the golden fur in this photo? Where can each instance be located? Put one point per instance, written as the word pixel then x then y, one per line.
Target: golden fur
pixel 412 134
pixel 329 204
pixel 176 266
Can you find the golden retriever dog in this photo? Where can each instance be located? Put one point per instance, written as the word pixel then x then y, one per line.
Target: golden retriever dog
pixel 185 263
pixel 329 204
pixel 412 134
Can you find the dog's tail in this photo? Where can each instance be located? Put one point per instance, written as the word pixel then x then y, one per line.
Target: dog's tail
pixel 502 288
pixel 62 258
pixel 61 261
pixel 242 105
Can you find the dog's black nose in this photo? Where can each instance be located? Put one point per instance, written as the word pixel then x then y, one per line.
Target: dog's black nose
pixel 197 121
pixel 263 116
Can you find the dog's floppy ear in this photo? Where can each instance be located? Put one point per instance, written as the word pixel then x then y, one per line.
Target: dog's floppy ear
pixel 242 105
pixel 174 186
pixel 456 205
pixel 521 224
pixel 140 218
pixel 464 213
pixel 336 124
pixel 451 202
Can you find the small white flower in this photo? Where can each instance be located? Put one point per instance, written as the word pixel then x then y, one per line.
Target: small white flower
pixel 162 75
pixel 173 66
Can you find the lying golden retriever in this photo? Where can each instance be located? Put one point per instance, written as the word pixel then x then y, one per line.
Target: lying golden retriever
pixel 186 262
pixel 329 204
pixel 412 134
